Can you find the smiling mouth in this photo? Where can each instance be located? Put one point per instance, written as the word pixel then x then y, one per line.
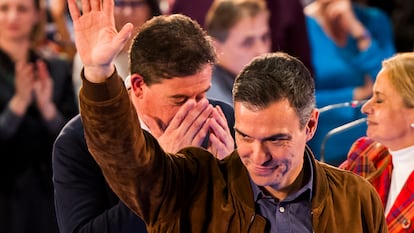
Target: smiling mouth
pixel 264 171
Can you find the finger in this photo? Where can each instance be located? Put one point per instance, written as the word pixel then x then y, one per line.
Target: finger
pixel 218 130
pixel 217 148
pixel 218 114
pixel 196 119
pixel 96 5
pixel 42 72
pixel 73 9
pixel 86 6
pixel 122 37
pixel 26 70
pixel 108 7
pixel 200 135
pixel 222 134
pixel 178 118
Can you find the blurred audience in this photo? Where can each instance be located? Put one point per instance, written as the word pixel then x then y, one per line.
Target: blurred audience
pixel 348 43
pixel 287 24
pixel 240 32
pixel 36 100
pixel 59 29
pixel 402 15
pixel 386 156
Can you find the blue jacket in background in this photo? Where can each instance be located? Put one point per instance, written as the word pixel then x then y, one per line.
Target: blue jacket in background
pixel 338 70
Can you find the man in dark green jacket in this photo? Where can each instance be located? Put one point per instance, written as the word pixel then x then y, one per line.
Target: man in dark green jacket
pixel 271 183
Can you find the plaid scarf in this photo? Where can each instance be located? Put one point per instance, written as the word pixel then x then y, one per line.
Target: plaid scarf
pixel 372 160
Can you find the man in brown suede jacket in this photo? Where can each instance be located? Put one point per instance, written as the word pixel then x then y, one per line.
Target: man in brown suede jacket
pixel 271 183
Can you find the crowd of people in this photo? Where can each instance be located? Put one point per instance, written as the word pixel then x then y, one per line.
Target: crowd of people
pixel 184 116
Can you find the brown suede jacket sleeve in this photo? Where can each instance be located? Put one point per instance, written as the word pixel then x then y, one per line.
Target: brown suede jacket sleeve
pixel 118 144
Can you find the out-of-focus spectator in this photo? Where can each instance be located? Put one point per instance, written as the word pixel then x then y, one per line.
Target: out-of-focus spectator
pixel 240 30
pixel 349 42
pixel 402 15
pixel 385 157
pixel 36 100
pixel 59 16
pixel 287 23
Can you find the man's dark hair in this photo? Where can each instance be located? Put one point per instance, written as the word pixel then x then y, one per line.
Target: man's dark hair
pixel 170 46
pixel 273 77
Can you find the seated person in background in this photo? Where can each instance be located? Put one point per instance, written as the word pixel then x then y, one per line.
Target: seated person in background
pixel 59 29
pixel 36 100
pixel 126 11
pixel 193 191
pixel 240 30
pixel 390 125
pixel 170 74
pixel 348 42
pixel 287 23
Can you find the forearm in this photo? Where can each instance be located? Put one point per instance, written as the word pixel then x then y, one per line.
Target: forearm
pixel 114 136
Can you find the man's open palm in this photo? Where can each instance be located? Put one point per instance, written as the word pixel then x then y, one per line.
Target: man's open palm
pixel 97 40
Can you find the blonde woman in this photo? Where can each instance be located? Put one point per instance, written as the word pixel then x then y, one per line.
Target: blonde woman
pixel 390 117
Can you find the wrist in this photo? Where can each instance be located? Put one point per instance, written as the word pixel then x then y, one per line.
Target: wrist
pixel 18 105
pixel 48 111
pixel 98 74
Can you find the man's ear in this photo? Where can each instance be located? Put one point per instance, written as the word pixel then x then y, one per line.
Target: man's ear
pixel 312 124
pixel 137 84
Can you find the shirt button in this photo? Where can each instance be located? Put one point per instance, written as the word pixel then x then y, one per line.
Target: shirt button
pixel 406 223
pixel 282 209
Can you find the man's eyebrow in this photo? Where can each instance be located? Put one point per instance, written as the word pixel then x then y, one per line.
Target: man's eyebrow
pixel 240 132
pixel 178 96
pixel 279 136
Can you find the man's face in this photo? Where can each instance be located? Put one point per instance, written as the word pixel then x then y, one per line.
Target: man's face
pixel 161 101
pixel 271 143
pixel 248 38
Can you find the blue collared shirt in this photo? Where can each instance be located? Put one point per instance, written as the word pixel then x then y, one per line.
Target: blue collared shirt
pixel 292 214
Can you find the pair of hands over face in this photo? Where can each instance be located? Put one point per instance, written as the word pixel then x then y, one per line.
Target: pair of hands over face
pixel 192 123
pixel 33 82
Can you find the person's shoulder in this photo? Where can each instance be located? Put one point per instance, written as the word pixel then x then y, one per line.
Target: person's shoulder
pixel 73 128
pixel 369 12
pixel 346 179
pixel 222 104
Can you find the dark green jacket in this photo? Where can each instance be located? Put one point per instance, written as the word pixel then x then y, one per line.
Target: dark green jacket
pixel 191 191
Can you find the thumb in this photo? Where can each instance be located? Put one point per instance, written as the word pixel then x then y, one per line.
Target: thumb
pixel 122 37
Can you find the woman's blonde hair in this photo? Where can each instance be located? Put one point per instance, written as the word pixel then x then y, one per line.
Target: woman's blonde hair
pixel 400 70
